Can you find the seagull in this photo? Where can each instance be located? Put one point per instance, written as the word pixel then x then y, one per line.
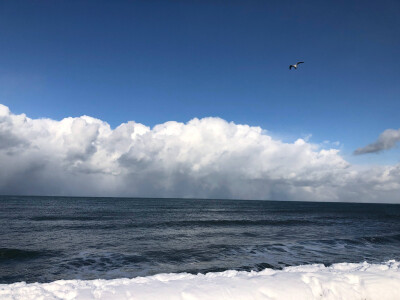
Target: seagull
pixel 295 66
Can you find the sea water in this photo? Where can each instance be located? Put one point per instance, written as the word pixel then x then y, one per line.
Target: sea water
pixel 43 239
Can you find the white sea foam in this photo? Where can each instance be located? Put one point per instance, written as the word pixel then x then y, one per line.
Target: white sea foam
pixel 339 281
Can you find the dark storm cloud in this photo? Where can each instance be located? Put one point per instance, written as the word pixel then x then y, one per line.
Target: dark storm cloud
pixel 386 140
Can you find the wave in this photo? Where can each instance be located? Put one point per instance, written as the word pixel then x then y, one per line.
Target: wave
pixel 95 223
pixel 19 254
pixel 225 222
pixel 382 239
pixel 68 218
pixel 364 240
pixel 241 222
pixel 338 281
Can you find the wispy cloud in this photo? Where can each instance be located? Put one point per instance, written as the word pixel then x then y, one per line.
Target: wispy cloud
pixel 385 141
pixel 206 158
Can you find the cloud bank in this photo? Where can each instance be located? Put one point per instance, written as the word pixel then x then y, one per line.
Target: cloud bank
pixel 203 158
pixel 386 140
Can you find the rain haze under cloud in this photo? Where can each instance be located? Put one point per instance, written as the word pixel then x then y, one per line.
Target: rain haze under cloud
pixel 386 140
pixel 203 158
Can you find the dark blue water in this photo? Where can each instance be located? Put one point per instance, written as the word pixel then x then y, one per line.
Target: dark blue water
pixel 47 238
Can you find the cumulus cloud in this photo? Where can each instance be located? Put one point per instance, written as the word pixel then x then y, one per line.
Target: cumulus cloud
pixel 203 158
pixel 385 141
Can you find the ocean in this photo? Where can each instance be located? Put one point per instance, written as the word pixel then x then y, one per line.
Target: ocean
pixel 43 239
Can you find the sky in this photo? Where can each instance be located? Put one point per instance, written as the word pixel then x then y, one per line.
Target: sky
pixel 194 65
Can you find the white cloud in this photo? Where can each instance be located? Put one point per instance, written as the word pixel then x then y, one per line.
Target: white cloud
pixel 206 158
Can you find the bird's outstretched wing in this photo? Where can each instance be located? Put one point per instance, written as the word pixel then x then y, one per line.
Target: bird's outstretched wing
pixel 300 62
pixel 290 67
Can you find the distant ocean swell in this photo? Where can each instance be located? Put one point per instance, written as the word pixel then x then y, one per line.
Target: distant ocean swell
pixel 197 223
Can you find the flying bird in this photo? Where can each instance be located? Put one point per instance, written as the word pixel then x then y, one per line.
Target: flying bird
pixel 295 66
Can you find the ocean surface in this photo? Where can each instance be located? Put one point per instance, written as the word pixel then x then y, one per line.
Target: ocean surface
pixel 43 239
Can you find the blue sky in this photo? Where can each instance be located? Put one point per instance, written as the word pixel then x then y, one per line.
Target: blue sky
pixel 155 61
